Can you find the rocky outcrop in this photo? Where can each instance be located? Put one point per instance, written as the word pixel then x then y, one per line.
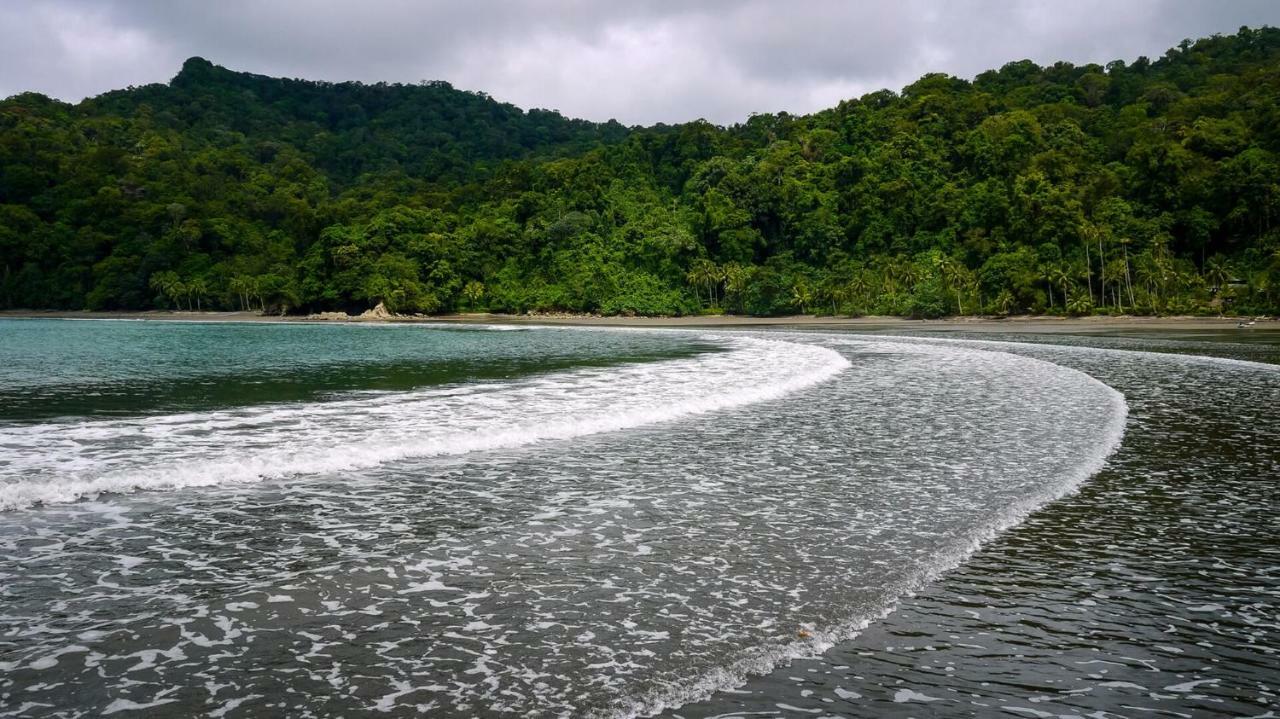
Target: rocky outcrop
pixel 329 316
pixel 380 312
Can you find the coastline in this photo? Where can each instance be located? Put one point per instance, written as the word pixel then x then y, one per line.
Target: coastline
pixel 1024 323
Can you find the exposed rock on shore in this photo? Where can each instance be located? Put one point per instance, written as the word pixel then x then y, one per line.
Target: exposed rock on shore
pixel 380 312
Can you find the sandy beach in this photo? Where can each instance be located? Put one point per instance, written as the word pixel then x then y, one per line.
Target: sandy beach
pixel 1026 323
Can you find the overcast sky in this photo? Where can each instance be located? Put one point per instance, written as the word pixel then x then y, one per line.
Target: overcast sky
pixel 639 61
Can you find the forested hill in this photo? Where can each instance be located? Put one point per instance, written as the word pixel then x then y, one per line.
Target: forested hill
pixel 1141 188
pixel 348 129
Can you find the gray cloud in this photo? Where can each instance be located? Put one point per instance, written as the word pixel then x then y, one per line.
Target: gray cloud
pixel 641 62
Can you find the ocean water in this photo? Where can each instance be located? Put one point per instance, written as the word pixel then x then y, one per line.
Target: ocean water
pixel 339 520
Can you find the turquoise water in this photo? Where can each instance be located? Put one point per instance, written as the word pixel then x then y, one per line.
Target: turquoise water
pixel 53 368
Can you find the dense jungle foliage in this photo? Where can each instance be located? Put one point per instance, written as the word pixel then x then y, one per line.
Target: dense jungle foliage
pixel 1150 187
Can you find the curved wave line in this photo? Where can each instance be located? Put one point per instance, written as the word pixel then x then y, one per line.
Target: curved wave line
pixel 736 673
pixel 354 434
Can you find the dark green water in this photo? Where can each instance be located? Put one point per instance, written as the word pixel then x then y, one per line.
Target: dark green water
pixel 52 368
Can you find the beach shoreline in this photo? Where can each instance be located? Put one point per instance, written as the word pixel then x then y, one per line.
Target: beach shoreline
pixel 1024 323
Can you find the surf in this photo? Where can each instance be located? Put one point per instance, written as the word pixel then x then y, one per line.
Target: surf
pixel 65 461
pixel 723 504
pixel 1106 438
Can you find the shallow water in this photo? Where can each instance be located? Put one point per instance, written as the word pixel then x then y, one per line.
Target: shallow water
pixel 77 368
pixel 660 518
pixel 1154 591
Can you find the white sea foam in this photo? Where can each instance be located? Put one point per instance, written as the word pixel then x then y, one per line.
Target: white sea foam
pixel 63 461
pixel 1108 432
pixel 1019 347
pixel 864 489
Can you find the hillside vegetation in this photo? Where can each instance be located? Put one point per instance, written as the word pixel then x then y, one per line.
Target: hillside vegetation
pixel 1151 187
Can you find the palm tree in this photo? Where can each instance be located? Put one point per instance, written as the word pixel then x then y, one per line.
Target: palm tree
pixel 1092 231
pixel 1128 280
pixel 1116 268
pixel 971 286
pixel 1080 305
pixel 801 295
pixel 1263 283
pixel 907 272
pixel 858 286
pixel 1162 266
pixel 834 290
pixel 884 269
pixel 704 273
pixel 1088 268
pixel 1152 275
pixel 736 278
pixel 161 281
pixel 1061 275
pixel 473 292
pixel 1047 274
pixel 168 284
pixel 257 287
pixel 1005 301
pixel 1185 280
pixel 197 287
pixel 1144 270
pixel 717 277
pixel 953 276
pixel 1085 270
pixel 1217 273
pixel 241 286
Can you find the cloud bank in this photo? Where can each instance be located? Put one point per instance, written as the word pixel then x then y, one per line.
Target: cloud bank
pixel 640 62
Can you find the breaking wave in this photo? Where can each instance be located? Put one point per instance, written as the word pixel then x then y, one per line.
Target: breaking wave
pixel 65 461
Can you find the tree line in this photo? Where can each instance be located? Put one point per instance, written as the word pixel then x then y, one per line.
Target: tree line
pixel 1141 188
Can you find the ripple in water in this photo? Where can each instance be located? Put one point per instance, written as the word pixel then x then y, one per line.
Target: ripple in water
pixel 1151 592
pixel 660 532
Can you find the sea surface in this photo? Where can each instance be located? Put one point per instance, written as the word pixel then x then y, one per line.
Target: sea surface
pixel 243 520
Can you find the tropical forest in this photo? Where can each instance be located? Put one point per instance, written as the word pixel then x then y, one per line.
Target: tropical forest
pixel 1140 187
